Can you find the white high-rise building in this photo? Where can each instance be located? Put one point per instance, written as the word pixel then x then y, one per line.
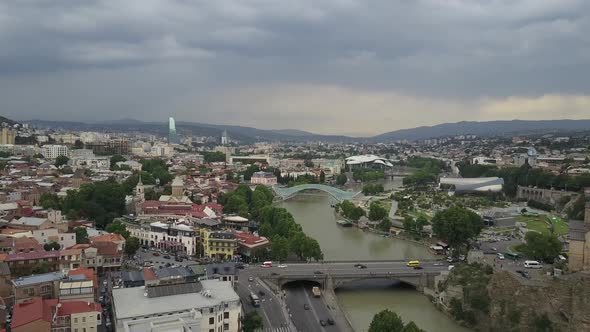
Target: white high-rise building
pixel 53 151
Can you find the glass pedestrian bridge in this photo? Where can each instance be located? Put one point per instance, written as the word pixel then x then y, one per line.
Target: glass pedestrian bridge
pixel 288 192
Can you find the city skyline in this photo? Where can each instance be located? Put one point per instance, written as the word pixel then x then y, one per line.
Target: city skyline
pixel 336 67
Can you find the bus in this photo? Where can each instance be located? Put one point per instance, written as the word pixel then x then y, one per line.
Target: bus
pixel 512 256
pixel 255 300
pixel 413 263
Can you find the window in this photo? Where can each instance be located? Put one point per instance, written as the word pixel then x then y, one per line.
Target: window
pixel 210 310
pixel 225 305
pixel 225 327
pixel 226 315
pixel 211 330
pixel 211 320
pixel 75 320
pixel 45 289
pixel 83 319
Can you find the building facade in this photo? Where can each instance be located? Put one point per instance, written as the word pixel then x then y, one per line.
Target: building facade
pixel 52 151
pixel 579 242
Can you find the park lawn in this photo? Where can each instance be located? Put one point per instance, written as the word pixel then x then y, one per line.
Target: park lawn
pixel 538 223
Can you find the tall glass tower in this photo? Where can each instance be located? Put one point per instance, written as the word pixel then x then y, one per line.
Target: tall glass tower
pixel 172 137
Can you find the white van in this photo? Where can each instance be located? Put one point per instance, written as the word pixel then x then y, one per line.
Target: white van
pixel 532 265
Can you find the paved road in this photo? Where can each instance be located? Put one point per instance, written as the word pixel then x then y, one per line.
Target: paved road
pixel 308 320
pixel 270 309
pixel 348 269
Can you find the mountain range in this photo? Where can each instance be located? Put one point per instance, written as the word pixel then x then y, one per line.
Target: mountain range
pixel 249 134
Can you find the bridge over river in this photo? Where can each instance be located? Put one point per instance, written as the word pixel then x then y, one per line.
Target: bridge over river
pixel 338 194
pixel 334 274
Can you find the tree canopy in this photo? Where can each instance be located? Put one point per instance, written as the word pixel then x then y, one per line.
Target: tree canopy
pixel 61 160
pixel 131 245
pixel 457 225
pixel 541 246
pixel 388 321
pixel 98 201
pixel 341 179
pixel 377 212
pixel 118 227
pixel 81 235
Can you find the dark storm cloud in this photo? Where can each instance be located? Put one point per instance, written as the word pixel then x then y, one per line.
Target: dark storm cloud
pixel 457 50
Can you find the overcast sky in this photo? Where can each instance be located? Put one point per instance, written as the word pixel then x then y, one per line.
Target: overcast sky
pixel 327 66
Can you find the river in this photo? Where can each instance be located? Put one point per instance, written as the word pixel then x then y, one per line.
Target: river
pixel 314 214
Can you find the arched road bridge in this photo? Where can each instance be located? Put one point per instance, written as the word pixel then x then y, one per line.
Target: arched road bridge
pixel 334 274
pixel 288 192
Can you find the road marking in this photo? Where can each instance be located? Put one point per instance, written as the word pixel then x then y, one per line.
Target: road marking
pixel 315 314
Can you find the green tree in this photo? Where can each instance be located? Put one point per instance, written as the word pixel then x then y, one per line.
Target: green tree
pixel 341 179
pixel 50 201
pixel 542 246
pixel 409 224
pixel 81 235
pixel 61 160
pixel 115 159
pixel 252 322
pixel 412 327
pixel 118 227
pixel 421 221
pixel 311 249
pixel 457 225
pixel 377 212
pixel 322 177
pixel 386 321
pixel 211 157
pixel 40 267
pixel 279 248
pixel 131 245
pixel 51 246
pixel 384 225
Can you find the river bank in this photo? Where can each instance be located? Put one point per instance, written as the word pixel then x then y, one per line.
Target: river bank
pixel 361 302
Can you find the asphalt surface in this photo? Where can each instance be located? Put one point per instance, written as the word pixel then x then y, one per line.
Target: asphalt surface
pixel 299 294
pixel 348 269
pixel 271 307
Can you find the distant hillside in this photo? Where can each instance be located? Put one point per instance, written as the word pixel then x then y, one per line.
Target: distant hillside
pixel 488 128
pixel 249 134
pixel 7 120
pixel 240 133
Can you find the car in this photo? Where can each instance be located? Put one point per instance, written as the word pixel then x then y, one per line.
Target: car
pixel 274 274
pixel 330 321
pixel 156 254
pixel 306 306
pixel 168 264
pixel 361 266
pixel 105 282
pixel 438 264
pixel 250 279
pixel 323 322
pixel 494 249
pixel 261 293
pixel 451 267
pixel 178 259
pixel 418 267
pixel 318 272
pixel 524 274
pixel 500 255
pixel 101 299
pixel 166 256
pixel 357 264
pixel 282 266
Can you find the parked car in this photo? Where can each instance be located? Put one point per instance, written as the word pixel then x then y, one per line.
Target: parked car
pixel 323 322
pixel 361 266
pixel 167 256
pixel 330 321
pixel 250 278
pixel 261 293
pixel 306 306
pixel 500 255
pixel 155 253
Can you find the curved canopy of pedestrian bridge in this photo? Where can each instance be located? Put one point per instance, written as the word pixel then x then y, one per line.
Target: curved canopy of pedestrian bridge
pixel 340 195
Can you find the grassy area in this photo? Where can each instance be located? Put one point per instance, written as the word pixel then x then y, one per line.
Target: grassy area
pixel 541 224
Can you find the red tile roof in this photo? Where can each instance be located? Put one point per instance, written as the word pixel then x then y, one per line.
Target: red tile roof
pixel 107 238
pixel 77 307
pixel 33 255
pixel 179 208
pixel 29 311
pixel 250 240
pixel 149 274
pixel 106 248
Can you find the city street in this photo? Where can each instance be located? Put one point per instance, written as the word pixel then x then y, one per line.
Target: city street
pixel 297 296
pixel 270 309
